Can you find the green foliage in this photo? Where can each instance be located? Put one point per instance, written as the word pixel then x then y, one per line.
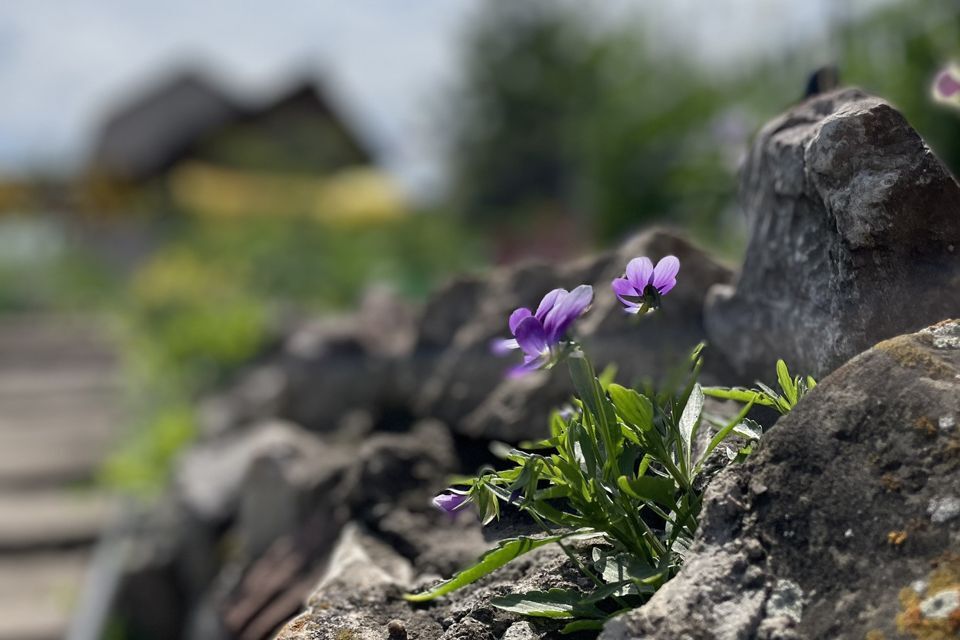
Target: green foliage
pixel 792 390
pixel 554 114
pixel 602 124
pixel 503 553
pixel 622 468
pixel 141 467
pixel 210 300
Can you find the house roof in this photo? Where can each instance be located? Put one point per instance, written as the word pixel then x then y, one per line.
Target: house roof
pixel 154 131
pixel 151 132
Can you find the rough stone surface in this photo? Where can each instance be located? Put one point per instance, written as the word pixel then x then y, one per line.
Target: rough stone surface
pixel 818 535
pixel 209 476
pixel 359 596
pixel 854 238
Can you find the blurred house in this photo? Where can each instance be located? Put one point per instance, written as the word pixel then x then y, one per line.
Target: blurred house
pixel 188 146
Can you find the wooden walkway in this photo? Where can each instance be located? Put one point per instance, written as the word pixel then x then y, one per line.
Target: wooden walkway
pixel 59 414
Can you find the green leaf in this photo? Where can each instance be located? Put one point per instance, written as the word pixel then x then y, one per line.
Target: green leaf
pixel 786 382
pixel 585 382
pixel 749 429
pixel 690 420
pixel 583 625
pixel 738 394
pixel 723 433
pixel 555 603
pixel 655 489
pixel 630 434
pixel 492 560
pixel 608 375
pixel 625 570
pixel 632 407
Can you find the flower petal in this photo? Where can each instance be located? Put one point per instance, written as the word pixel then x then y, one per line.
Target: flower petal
pixel 665 271
pixel 623 289
pixel 501 346
pixel 549 302
pixel 530 364
pixel 449 502
pixel 516 317
pixel 639 271
pixel 946 86
pixel 570 307
pixel 667 286
pixel 531 337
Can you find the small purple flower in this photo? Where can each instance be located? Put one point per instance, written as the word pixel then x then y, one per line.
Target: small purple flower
pixel 946 86
pixel 449 502
pixel 540 334
pixel 640 289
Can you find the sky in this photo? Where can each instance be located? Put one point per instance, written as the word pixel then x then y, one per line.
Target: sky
pixel 64 64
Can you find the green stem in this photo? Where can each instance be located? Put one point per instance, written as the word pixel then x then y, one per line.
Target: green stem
pixel 577 563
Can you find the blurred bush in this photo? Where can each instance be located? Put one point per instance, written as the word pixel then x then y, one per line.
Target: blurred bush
pixel 214 295
pixel 595 124
pixel 554 113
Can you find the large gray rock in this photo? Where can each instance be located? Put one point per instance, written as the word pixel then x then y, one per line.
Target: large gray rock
pixel 836 528
pixel 290 521
pixel 209 477
pixel 854 237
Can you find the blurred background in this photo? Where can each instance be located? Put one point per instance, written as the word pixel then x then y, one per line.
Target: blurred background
pixel 180 181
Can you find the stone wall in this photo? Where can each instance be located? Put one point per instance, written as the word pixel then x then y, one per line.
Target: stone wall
pixel 311 483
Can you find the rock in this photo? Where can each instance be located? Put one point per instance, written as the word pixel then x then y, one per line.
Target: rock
pixel 519 409
pixel 209 476
pixel 450 308
pixel 386 322
pixel 280 492
pixel 330 373
pixel 358 596
pixel 467 371
pixel 397 470
pixel 825 531
pixel 257 395
pixel 854 238
pixel 521 631
pixel 306 502
pixel 437 543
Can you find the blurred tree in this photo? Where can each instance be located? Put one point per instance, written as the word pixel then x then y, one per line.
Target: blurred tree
pixel 895 53
pixel 531 74
pixel 558 114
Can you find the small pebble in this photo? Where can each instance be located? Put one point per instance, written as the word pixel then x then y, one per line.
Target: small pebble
pixel 396 630
pixel 943 509
pixel 946 423
pixel 848 533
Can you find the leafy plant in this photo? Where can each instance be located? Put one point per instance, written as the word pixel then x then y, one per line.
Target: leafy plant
pixel 620 470
pixel 792 389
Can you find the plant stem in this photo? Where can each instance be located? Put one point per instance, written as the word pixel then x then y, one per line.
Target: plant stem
pixel 576 561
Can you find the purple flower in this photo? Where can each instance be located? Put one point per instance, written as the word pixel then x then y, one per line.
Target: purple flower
pixel 539 334
pixel 640 289
pixel 946 86
pixel 449 502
